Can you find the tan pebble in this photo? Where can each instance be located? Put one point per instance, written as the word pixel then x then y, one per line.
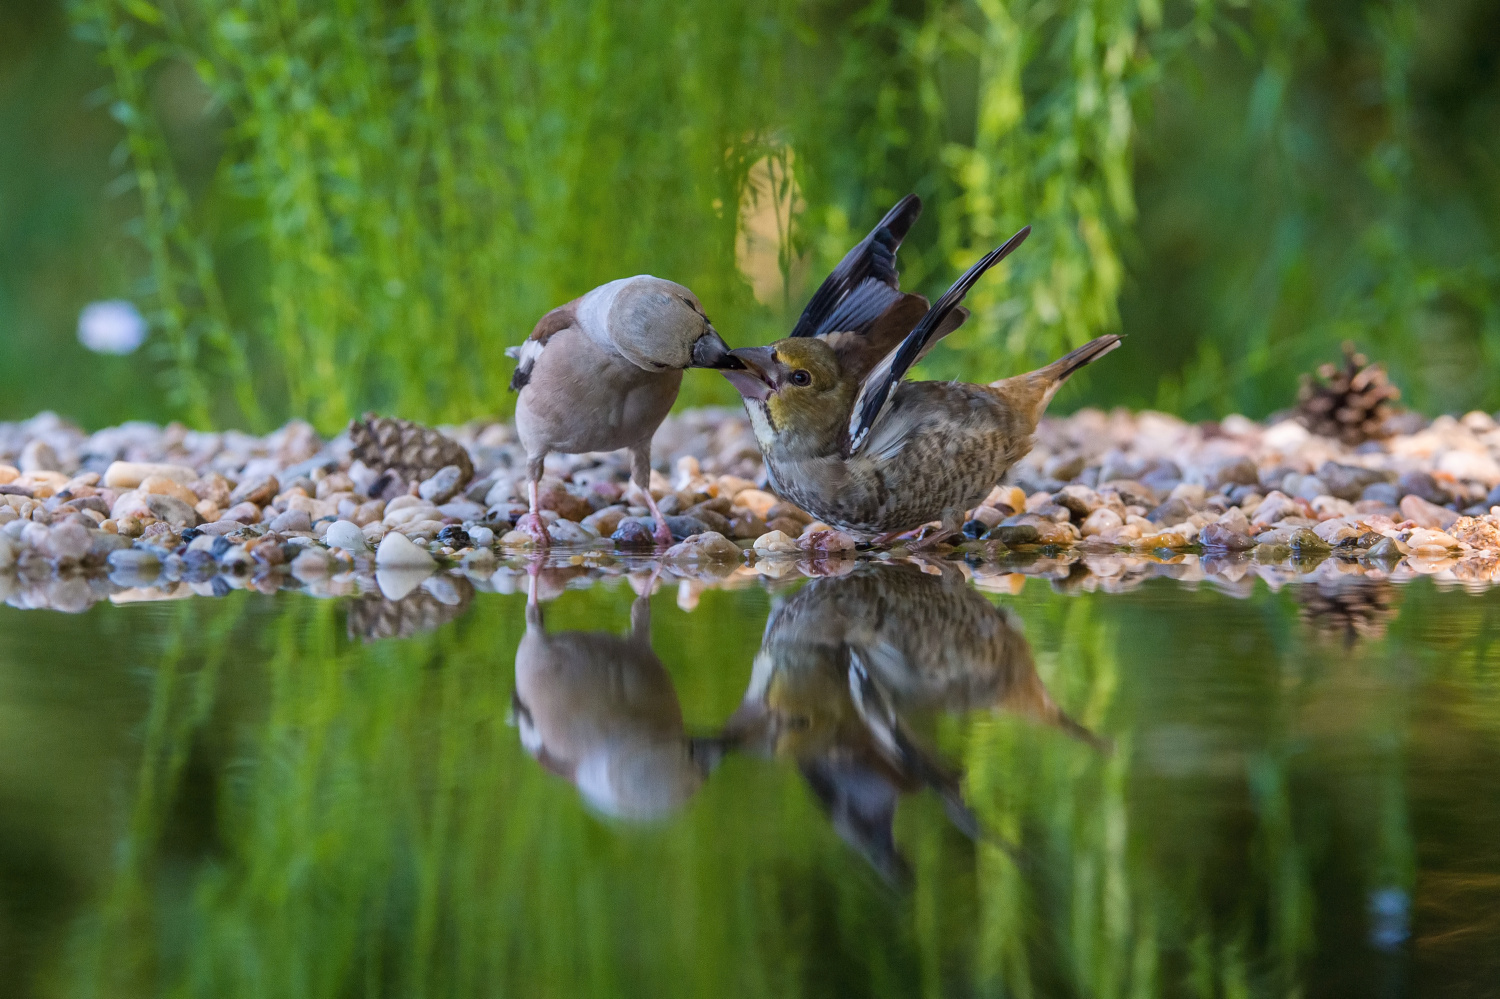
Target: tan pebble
pixel 789 511
pixel 402 502
pixel 129 527
pixel 208 510
pixel 213 487
pixel 517 539
pixel 813 528
pixel 245 513
pixel 161 485
pixel 730 486
pixel 987 515
pixel 1430 540
pixel 1101 520
pixel 8 474
pixel 130 474
pixel 1036 501
pixel 110 526
pixel 368 513
pixel 86 480
pixel 757 501
pixel 775 543
pixel 93 515
pixel 1166 539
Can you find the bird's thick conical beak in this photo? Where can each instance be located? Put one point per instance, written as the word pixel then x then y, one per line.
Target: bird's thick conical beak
pixel 755 379
pixel 710 351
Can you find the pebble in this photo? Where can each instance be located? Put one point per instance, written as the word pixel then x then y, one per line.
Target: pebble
pixel 1119 482
pixel 1225 537
pixel 707 547
pixel 292 520
pixel 776 543
pixel 1427 514
pixel 632 533
pixel 443 485
pixel 130 474
pixel 398 552
pixel 346 536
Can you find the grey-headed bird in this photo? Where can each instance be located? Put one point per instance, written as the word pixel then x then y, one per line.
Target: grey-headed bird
pixel 847 439
pixel 601 373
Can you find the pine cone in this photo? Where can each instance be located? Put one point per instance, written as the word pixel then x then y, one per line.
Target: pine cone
pixel 1352 609
pixel 408 449
pixel 1351 404
pixel 373 617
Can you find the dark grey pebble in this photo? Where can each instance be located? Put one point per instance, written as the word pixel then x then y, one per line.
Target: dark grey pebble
pixel 454 536
pixel 683 528
pixel 1012 535
pixel 975 529
pixel 632 534
pixel 1423 485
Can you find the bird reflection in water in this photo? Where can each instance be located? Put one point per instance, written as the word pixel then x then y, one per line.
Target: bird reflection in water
pixel 848 659
pixel 599 709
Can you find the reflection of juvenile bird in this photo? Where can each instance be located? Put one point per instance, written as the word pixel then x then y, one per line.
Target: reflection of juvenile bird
pixel 847 440
pixel 601 373
pixel 846 660
pixel 600 710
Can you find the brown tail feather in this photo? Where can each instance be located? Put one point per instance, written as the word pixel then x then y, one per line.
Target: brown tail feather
pixel 1059 370
pixel 1033 390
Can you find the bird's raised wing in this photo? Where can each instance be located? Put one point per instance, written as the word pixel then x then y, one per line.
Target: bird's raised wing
pixel 530 349
pixel 865 283
pixel 878 386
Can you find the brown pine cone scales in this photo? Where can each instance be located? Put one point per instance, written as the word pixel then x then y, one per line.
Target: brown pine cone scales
pixel 1351 403
pixel 408 449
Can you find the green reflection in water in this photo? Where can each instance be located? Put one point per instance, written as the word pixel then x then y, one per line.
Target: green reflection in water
pixel 260 805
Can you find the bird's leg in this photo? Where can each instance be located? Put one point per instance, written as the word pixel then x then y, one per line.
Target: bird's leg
pixel 531 524
pixel 640 474
pixel 533 605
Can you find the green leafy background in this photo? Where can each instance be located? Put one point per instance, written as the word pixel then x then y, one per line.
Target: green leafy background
pixel 326 206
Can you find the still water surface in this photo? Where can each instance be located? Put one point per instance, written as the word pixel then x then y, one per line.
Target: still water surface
pixel 883 783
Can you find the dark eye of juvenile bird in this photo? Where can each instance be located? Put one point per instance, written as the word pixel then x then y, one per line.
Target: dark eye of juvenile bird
pixel 800 377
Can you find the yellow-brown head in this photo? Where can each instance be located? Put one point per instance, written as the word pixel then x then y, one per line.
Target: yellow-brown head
pixel 795 391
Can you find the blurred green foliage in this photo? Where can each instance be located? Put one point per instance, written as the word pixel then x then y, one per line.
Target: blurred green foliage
pixel 332 206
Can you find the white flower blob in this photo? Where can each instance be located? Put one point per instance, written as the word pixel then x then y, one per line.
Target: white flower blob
pixel 112 327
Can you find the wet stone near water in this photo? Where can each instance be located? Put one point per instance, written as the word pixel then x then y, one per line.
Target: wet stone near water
pixel 1141 488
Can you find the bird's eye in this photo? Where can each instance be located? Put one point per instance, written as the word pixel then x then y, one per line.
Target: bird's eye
pixel 800 377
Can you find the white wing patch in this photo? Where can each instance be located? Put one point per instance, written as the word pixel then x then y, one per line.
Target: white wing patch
pixel 526 353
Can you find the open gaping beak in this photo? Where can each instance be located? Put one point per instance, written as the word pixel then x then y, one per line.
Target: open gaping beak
pixel 710 351
pixel 756 377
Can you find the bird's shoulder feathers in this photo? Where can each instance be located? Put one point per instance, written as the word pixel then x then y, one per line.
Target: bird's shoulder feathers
pixel 560 318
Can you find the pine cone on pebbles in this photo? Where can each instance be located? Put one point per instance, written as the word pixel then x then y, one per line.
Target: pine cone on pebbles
pixel 1351 609
pixel 1351 403
pixel 373 617
pixel 407 449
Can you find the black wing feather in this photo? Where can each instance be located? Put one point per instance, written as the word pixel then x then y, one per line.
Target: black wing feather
pixel 888 374
pixel 865 282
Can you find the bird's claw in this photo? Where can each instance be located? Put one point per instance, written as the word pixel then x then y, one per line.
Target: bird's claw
pixel 663 534
pixel 534 527
pixel 926 542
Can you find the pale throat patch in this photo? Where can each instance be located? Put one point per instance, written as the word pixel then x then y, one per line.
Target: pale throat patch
pixel 760 421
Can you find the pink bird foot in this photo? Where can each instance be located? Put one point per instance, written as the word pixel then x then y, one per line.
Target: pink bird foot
pixel 534 527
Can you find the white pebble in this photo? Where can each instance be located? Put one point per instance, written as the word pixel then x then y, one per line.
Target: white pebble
pixel 396 552
pixel 347 535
